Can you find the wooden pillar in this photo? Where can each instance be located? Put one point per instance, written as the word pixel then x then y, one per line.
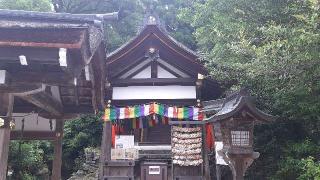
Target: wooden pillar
pixel 4 150
pixel 6 108
pixel 57 159
pixel 105 147
pixel 218 172
pixel 205 154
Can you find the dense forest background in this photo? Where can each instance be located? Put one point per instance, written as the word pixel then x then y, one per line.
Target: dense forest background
pixel 271 47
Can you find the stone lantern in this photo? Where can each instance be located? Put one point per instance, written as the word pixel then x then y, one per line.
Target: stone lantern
pixel 233 119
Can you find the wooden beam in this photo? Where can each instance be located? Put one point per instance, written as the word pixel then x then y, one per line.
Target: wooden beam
pixel 50 78
pixel 105 147
pixel 4 150
pixel 205 153
pixel 45 101
pixel 32 135
pixel 154 82
pixel 98 78
pixel 33 55
pixel 71 109
pixel 17 88
pixel 186 122
pixel 42 37
pixel 123 70
pixel 57 157
pixel 154 68
pixel 6 108
pixel 138 70
pixel 169 70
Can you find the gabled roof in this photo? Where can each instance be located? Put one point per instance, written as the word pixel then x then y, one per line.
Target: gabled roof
pixel 152 35
pixel 233 104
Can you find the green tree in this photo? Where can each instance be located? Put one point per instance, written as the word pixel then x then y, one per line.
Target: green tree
pixel 27 160
pixel 30 5
pixel 271 47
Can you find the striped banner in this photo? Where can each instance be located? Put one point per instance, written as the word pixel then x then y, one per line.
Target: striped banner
pixel 137 111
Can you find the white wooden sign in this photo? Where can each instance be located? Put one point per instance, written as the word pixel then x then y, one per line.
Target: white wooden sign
pixel 124 142
pixel 154 169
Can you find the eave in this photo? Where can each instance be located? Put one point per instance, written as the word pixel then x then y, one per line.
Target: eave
pixel 237 103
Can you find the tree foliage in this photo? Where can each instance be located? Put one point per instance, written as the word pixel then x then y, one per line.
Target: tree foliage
pixel 271 47
pixel 31 5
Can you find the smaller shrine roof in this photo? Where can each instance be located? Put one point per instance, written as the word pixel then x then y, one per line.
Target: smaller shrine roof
pixel 233 104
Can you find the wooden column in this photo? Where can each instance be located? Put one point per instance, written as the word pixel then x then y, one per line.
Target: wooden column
pixel 105 147
pixel 6 108
pixel 4 150
pixel 57 159
pixel 205 153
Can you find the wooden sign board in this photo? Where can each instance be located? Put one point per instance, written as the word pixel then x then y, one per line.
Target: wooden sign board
pixel 122 154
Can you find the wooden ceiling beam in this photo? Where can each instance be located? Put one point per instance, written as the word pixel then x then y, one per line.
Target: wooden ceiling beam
pixel 50 78
pixel 33 55
pixel 32 135
pixel 45 101
pixel 154 82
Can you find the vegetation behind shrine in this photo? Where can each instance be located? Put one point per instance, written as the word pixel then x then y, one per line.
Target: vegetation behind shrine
pixel 272 47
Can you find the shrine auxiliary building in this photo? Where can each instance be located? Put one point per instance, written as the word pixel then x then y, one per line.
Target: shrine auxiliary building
pixel 154 92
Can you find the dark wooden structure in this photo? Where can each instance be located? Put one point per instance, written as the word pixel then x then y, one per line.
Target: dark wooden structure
pixel 52 66
pixel 153 67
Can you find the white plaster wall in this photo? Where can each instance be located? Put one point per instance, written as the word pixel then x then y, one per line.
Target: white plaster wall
pixel 154 92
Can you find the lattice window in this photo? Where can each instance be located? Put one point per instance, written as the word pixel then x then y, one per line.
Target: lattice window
pixel 240 138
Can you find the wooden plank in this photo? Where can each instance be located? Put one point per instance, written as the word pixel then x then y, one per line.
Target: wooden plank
pixel 50 78
pixel 4 150
pixel 186 122
pixel 205 154
pixel 32 135
pixel 120 163
pixel 46 102
pixel 6 108
pixel 33 55
pixel 98 78
pixel 154 68
pixel 105 148
pixel 17 88
pixel 42 38
pixel 154 82
pixel 57 157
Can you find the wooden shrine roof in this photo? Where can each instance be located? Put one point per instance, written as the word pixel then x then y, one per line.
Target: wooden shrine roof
pixel 46 84
pixel 153 36
pixel 233 104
